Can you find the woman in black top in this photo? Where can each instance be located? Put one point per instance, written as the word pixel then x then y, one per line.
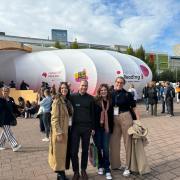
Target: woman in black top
pixel 2 107
pixel 103 128
pixel 9 119
pixel 124 113
pixel 152 98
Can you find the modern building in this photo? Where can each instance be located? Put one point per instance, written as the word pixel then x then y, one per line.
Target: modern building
pixel 176 50
pixel 59 35
pixel 174 62
pixel 50 43
pixel 160 59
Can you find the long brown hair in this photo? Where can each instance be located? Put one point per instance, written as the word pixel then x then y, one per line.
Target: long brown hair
pixel 66 84
pixel 98 97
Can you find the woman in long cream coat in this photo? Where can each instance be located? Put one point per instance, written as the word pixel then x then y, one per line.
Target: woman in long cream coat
pixel 60 117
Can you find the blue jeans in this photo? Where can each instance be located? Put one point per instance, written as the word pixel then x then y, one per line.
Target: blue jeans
pixel 146 103
pixel 46 117
pixel 101 139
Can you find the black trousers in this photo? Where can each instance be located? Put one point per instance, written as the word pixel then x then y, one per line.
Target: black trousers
pixel 169 103
pixel 154 109
pixel 83 134
pixel 163 104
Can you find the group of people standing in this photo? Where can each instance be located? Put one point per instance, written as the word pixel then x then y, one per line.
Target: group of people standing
pixel 76 117
pixel 70 118
pixel 163 92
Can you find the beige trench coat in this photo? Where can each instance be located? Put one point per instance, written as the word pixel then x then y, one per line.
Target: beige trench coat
pixel 59 125
pixel 138 162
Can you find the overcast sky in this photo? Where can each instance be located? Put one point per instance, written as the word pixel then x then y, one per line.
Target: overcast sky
pixel 153 23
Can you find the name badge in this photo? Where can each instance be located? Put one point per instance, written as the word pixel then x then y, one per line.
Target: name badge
pixel 70 121
pixel 116 111
pixel 77 105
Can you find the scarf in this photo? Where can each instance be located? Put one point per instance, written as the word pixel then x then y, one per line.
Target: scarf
pixel 104 116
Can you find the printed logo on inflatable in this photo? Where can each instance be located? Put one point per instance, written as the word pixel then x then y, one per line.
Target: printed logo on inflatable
pixel 144 70
pixel 82 75
pixel 51 74
pixel 44 74
pixel 118 72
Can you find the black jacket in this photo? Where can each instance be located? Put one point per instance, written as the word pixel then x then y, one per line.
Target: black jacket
pixel 2 111
pixel 123 99
pixel 145 92
pixel 9 108
pixel 83 106
pixel 98 109
pixel 152 96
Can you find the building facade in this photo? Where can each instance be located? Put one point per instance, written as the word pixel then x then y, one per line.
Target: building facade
pixel 176 50
pixel 59 35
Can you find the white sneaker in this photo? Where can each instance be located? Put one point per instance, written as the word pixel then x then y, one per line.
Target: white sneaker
pixel 126 172
pixel 2 148
pixel 100 171
pixel 108 176
pixel 45 139
pixel 16 148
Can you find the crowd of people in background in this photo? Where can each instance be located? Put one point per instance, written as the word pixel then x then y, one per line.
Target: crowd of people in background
pixel 163 92
pixel 65 115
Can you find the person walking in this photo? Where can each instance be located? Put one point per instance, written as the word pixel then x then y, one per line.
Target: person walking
pixel 82 128
pixel 8 119
pixel 145 96
pixel 45 104
pixel 169 97
pixel 178 92
pixel 123 103
pixel 61 114
pixel 162 85
pixel 152 98
pixel 133 91
pixel 104 128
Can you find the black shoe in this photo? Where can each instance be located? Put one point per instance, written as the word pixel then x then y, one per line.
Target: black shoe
pixel 162 112
pixel 76 176
pixel 61 176
pixel 84 175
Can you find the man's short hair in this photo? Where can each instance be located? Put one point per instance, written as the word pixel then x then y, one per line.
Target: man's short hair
pixel 120 77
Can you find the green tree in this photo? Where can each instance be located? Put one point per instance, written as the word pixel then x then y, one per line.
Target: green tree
pixel 58 45
pixel 168 75
pixel 74 45
pixel 140 53
pixel 130 50
pixel 152 67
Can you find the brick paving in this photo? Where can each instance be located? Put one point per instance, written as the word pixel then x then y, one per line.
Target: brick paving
pixel 30 163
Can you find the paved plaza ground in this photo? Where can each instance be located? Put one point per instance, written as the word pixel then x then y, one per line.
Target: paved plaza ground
pixel 30 162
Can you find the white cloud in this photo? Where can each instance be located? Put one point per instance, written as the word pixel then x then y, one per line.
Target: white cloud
pixel 140 22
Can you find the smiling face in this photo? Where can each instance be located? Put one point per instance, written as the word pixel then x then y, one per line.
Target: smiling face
pixel 83 87
pixel 119 83
pixel 64 90
pixel 103 92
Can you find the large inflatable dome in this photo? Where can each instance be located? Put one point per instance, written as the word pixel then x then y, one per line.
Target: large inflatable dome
pixel 72 65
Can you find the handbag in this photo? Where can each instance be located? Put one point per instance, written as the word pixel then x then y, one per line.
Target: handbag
pixel 93 155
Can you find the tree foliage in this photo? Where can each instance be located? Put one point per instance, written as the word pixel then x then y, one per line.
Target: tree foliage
pixel 74 45
pixel 130 50
pixel 58 45
pixel 140 53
